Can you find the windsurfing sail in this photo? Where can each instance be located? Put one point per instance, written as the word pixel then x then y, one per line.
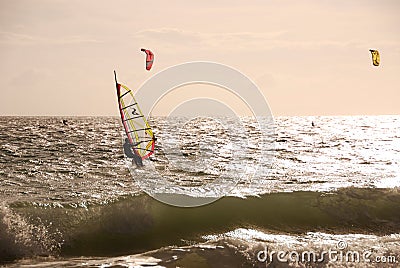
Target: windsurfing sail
pixel 136 127
pixel 149 58
pixel 375 57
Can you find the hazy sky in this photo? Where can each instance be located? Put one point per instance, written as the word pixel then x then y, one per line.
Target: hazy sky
pixel 307 57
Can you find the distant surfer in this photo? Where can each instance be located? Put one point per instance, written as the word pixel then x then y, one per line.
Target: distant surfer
pixel 312 124
pixel 130 154
pixel 65 122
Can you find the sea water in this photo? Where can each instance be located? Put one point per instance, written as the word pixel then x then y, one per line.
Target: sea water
pixel 317 195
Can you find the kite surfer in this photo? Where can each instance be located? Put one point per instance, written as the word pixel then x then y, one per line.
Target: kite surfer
pixel 128 152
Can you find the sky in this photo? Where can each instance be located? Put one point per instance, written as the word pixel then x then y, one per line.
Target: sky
pixel 307 57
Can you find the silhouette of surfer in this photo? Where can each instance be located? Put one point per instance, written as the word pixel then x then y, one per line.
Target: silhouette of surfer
pixel 137 159
pixel 312 124
pixel 65 122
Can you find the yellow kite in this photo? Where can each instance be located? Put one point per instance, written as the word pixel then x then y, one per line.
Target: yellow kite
pixel 375 57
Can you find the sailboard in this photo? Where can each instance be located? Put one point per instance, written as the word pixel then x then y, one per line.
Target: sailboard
pixel 136 127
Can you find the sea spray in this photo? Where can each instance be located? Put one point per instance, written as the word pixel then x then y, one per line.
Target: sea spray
pixel 20 238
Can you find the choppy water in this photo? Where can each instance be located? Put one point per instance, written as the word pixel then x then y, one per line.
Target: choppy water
pixel 67 197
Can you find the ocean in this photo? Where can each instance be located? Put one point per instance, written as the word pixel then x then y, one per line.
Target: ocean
pixel 307 196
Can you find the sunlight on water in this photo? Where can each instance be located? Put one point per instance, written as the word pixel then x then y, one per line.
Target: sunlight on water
pixel 62 186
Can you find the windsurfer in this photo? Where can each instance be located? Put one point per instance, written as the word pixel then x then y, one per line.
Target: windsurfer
pixel 128 152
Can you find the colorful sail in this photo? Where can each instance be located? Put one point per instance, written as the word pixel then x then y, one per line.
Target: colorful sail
pixel 375 57
pixel 149 58
pixel 136 127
